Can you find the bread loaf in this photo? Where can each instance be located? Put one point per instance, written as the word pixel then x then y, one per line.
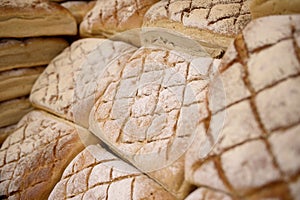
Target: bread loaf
pixel 12 111
pixel 212 23
pixel 110 17
pixel 97 174
pixel 18 82
pixel 255 155
pixel 29 18
pixel 148 111
pixel 34 156
pixel 29 52
pixel 78 8
pixel 261 8
pixel 67 87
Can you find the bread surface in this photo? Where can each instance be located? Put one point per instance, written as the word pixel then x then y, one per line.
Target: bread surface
pixel 254 154
pixel 18 53
pixel 31 18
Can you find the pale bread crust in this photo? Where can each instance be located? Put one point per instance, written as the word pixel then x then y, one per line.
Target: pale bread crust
pixel 97 174
pixel 33 157
pixel 12 111
pixel 207 194
pixel 214 23
pixel 261 8
pixel 18 82
pixel 18 53
pixel 147 108
pixel 60 87
pixel 258 145
pixel 110 17
pixel 79 8
pixel 31 18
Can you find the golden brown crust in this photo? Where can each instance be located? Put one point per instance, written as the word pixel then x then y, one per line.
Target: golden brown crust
pixel 35 18
pixel 17 53
pixel 18 82
pixel 12 111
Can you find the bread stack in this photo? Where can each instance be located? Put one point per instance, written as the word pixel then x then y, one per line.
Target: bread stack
pixel 30 33
pixel 171 119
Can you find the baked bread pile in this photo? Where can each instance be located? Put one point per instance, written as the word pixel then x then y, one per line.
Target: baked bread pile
pixel 30 32
pixel 185 100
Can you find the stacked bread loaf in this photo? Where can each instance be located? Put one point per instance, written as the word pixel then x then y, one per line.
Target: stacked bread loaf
pixel 25 51
pixel 157 112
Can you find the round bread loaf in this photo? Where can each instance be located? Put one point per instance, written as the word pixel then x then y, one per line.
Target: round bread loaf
pixel 212 23
pixel 30 18
pixel 68 85
pixel 34 156
pixel 148 110
pixel 97 174
pixel 256 154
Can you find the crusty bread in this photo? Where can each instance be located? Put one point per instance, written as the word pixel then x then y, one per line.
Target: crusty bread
pixel 110 17
pixel 212 23
pixel 148 111
pixel 34 156
pixel 29 18
pixel 67 87
pixel 261 8
pixel 6 131
pixel 78 8
pixel 18 82
pixel 29 52
pixel 97 174
pixel 12 111
pixel 255 154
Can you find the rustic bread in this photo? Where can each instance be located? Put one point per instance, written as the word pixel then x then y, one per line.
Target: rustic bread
pixel 34 156
pixel 212 23
pixel 29 18
pixel 148 110
pixel 67 87
pixel 255 154
pixel 29 52
pixel 261 8
pixel 97 174
pixel 18 82
pixel 12 111
pixel 110 17
pixel 78 8
pixel 6 131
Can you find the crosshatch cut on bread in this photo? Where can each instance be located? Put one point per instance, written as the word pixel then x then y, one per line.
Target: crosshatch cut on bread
pixel 35 155
pixel 256 155
pixel 68 85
